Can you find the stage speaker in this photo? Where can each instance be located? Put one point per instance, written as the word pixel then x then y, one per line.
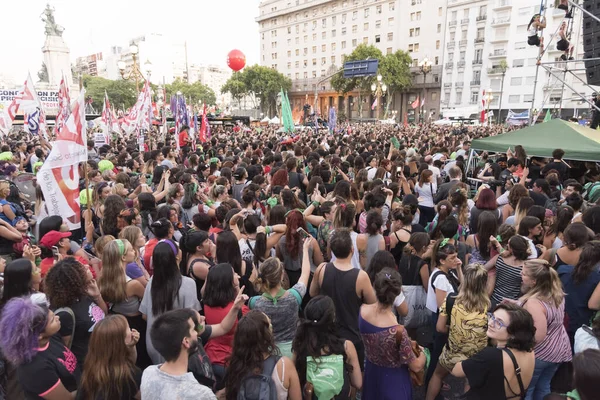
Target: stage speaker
pixel 591 41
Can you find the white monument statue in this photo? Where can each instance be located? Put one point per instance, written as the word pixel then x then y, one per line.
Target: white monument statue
pixel 56 52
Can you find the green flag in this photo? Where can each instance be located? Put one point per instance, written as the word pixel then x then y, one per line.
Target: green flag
pixel 286 113
pixel 548 116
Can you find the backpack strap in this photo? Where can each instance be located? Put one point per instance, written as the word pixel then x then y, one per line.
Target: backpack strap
pixel 589 331
pixel 434 277
pixel 269 365
pixel 70 312
pixel 517 372
pixel 450 300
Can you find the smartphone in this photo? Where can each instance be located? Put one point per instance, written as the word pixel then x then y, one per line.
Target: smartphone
pixel 316 187
pixel 398 171
pixel 55 252
pixel 303 233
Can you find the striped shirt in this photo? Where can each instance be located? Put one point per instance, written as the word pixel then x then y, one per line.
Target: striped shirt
pixel 508 282
pixel 555 347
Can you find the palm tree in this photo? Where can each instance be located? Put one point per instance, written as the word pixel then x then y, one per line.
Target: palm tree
pixel 503 67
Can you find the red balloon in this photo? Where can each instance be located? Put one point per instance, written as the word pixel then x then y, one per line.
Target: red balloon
pixel 236 60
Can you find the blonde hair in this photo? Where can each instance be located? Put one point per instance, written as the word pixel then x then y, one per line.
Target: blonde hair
pixel 547 287
pixel 117 188
pixel 112 281
pixel 270 274
pixel 101 242
pixel 131 233
pixel 473 289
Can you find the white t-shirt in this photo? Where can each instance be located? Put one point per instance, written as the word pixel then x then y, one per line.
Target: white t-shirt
pixel 371 172
pixel 426 193
pixel 531 248
pixel 584 341
pixel 436 172
pixel 442 283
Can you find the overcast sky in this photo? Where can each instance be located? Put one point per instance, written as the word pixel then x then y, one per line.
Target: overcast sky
pixel 211 27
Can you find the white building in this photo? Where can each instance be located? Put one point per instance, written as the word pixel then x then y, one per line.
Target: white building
pixel 214 77
pixel 483 35
pixel 307 39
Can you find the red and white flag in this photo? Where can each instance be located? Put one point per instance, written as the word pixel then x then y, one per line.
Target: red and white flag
pixel 64 106
pixel 482 116
pixel 374 104
pixel 415 104
pixel 34 116
pixel 107 116
pixel 423 102
pixel 203 127
pixel 59 175
pixel 141 112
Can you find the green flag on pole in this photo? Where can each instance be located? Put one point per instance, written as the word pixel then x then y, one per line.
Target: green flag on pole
pixel 548 116
pixel 286 113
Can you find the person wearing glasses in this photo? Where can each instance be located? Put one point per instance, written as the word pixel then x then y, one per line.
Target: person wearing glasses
pixel 505 371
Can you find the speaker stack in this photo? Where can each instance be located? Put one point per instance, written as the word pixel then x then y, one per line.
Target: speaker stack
pixel 591 41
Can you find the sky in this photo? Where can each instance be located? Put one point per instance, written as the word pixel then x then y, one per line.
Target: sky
pixel 211 28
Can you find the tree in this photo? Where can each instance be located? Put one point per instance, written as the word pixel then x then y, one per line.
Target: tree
pixel 43 73
pixel 362 85
pixel 396 74
pixel 194 93
pixel 236 86
pixel 121 93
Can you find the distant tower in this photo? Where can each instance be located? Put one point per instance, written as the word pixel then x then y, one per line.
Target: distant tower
pixel 56 52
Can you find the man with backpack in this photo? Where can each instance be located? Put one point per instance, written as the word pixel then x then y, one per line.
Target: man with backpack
pixel 175 337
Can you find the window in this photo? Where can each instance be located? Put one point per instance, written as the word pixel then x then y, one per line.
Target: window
pixel 367 12
pixel 436 79
pixel 392 6
pixel 531 61
pixel 391 21
pixel 516 81
pixel 454 15
pixel 474 97
pixel 458 97
pixel 390 36
pixel 314 37
pixel 514 98
pixel 377 24
pixel 462 56
pixel 305 38
pixel 527 98
pixel 323 47
pixel 411 32
pixel 366 40
pixel 323 35
pixel 482 10
pixel 333 20
pixel 478 54
pixel 439 28
pixel 314 62
pixel 437 44
pixel 297 64
pixel 518 63
pixel 378 9
pixel 450 57
pixel 289 30
pixel 437 60
pixel 274 56
pixel 322 72
pixel 314 49
pixel 333 33
pixel 324 23
pixel 418 15
pixel 412 16
pixel 343 44
pixel 388 50
pixel 354 28
pixel 463 35
pixel 440 12
pixel 305 52
pixel 262 36
pixel 314 25
pixel 343 18
pixel 530 80
pixel 476 75
pixel 305 27
pixel 323 61
pixel 452 36
pixel 354 15
pixel 366 26
pixel 410 48
pixel 354 42
pixel 377 38
pixel 305 75
pixel 417 31
pixel 297 52
pixel 297 75
pixel 314 74
pixel 525 11
pixel 332 60
pixel 305 63
pixel 333 46
pixel 480 33
pixel 466 13
pixel 343 31
pixel 520 45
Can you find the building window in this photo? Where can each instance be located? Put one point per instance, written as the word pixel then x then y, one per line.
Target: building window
pixel 314 62
pixel 378 24
pixel 437 60
pixel 417 31
pixel 437 44
pixel 462 56
pixel 314 25
pixel 530 80
pixel 411 32
pixel 297 29
pixel 289 53
pixel 474 97
pixel 416 47
pixel 516 81
pixel 314 36
pixel 305 63
pixel 354 42
pixel 410 48
pixel 378 9
pixel 332 60
pixel 388 50
pixel 354 28
pixel 343 18
pixel 366 26
pixel 520 45
pixel 366 40
pixel 418 15
pixel 333 20
pixel 289 65
pixel 390 36
pixel 354 15
pixel 527 98
pixel 367 12
pixel 305 52
pixel 333 46
pixel 392 6
pixel 323 47
pixel 333 33
pixel 463 34
pixel 343 31
pixel 450 57
pixel 518 63
pixel 514 98
pixel 297 64
pixel 314 74
pixel 343 44
pixel 305 75
pixel 377 38
pixel 314 49
pixel 323 35
pixel 297 52
pixel 305 38
pixel 323 61
pixel 458 97
pixel 322 72
pixel 297 75
pixel 440 11
pixel 324 23
pixel 412 16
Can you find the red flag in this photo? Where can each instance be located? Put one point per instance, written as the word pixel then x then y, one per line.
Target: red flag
pixel 406 120
pixel 64 106
pixel 107 116
pixel 415 104
pixel 202 135
pixel 482 117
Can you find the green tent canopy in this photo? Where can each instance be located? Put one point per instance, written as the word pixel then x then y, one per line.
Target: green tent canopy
pixel 579 142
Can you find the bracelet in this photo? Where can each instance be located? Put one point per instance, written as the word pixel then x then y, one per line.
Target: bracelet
pixel 209 203
pixel 268 230
pixel 316 204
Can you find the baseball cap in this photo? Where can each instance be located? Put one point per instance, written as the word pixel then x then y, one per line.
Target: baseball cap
pixel 105 165
pixel 53 237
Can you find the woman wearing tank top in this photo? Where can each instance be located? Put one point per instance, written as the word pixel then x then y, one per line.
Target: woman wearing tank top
pixel 507 282
pixel 347 286
pixel 371 242
pixel 545 300
pixel 344 219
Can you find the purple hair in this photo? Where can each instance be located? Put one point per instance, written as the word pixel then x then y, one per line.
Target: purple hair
pixel 21 323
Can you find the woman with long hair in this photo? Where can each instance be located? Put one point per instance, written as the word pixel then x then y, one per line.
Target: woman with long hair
pixel 254 352
pixel 486 201
pixel 383 259
pixel 529 229
pixel 523 206
pixel 514 195
pixel 508 265
pixel 458 198
pixel 426 189
pixel 135 269
pixel 553 239
pixel 113 205
pixel 166 290
pixel 289 248
pixel 147 206
pixel 388 350
pixel 22 278
pixel 228 251
pixel 110 371
pixel 401 231
pixel 464 318
pixel 344 218
pixel 197 257
pixel 545 300
pixel 372 240
pixel 189 202
pixel 46 368
pixel 575 237
pixel 482 249
pixel 580 282
pixel 161 229
pixel 505 370
pixel 220 291
pixel 280 305
pixel 317 343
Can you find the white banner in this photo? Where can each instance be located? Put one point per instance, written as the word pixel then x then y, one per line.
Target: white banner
pixel 48 98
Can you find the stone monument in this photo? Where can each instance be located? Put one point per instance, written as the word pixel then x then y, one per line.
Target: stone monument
pixel 56 52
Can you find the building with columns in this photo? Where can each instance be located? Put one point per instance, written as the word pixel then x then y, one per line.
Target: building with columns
pixel 307 40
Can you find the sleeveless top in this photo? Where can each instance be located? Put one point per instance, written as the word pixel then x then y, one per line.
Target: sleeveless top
pixel 199 282
pixel 532 31
pixel 555 347
pixel 372 246
pixel 130 306
pixel 508 282
pixel 341 287
pixel 282 392
pixel 355 256
pixel 399 248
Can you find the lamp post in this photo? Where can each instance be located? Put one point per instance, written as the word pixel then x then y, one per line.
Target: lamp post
pixel 425 66
pixel 135 74
pixel 489 97
pixel 379 90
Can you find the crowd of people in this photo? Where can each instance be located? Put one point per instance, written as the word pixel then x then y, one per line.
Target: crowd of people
pixel 370 263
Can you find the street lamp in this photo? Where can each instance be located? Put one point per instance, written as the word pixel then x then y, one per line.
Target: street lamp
pixel 379 90
pixel 135 74
pixel 425 66
pixel 489 97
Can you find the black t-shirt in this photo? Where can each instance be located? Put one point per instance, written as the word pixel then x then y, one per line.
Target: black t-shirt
pixel 50 365
pixel 485 372
pixel 128 392
pixel 559 166
pixel 87 314
pixel 295 180
pixel 539 199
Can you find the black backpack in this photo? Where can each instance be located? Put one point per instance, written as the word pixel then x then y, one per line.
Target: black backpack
pixel 260 386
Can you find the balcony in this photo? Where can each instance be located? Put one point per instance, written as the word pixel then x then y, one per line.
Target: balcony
pixel 479 40
pixel 448 84
pixel 459 84
pixel 477 62
pixel 451 45
pixel 502 4
pixel 463 43
pixel 495 71
pixel 481 18
pixel 460 64
pixel 464 21
pixel 498 53
pixel 501 21
pixel 499 39
pixel 476 83
pixel 452 23
pixel 449 65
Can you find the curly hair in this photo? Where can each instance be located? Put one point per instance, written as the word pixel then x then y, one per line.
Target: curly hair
pixel 65 283
pixel 21 323
pixel 113 205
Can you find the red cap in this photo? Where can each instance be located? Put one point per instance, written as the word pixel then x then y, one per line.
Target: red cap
pixel 53 237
